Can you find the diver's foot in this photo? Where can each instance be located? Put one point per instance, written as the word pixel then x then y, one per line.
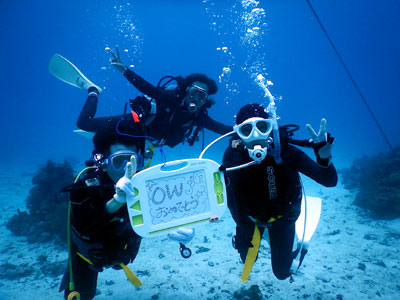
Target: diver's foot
pixel 87 84
pixel 94 89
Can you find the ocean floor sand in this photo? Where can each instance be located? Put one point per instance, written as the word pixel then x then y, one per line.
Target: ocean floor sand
pixel 351 256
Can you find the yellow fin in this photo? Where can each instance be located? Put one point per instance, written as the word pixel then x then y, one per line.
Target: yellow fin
pixel 131 276
pixel 251 255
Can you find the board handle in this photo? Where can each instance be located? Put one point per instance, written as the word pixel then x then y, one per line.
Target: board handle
pixel 174 166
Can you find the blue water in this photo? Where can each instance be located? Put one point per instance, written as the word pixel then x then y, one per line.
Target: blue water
pixel 176 37
pixel 39 112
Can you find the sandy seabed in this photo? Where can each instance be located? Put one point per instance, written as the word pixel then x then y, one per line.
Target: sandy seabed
pixel 351 256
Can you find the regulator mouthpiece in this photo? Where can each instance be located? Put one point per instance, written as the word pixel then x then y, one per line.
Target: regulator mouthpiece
pixel 258 153
pixel 192 107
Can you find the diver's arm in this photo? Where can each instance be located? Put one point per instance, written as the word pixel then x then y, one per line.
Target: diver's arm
pixel 141 84
pixel 137 81
pixel 87 211
pixel 168 98
pixel 327 176
pixel 207 122
pixel 235 184
pixel 238 209
pixel 113 205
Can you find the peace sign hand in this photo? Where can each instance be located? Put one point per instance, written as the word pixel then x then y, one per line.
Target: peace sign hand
pixel 124 188
pixel 115 60
pixel 323 143
pixel 321 136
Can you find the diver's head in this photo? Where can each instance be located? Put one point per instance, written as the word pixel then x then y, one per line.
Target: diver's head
pixel 196 96
pixel 117 151
pixel 114 165
pixel 251 110
pixel 254 127
pixel 198 88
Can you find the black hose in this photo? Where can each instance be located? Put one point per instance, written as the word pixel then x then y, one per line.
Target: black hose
pixel 350 76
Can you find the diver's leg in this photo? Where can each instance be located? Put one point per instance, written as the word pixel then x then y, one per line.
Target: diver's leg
pixel 85 279
pixel 281 235
pixel 242 240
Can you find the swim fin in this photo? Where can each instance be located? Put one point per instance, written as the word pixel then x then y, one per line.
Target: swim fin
pixel 131 276
pixel 310 213
pixel 64 70
pixel 306 225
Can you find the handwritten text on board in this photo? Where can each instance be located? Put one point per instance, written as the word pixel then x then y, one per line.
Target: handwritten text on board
pixel 177 196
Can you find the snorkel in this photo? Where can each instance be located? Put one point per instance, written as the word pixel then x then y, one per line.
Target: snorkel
pixel 271 109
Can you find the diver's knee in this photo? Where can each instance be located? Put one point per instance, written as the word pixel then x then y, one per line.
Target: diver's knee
pixel 281 274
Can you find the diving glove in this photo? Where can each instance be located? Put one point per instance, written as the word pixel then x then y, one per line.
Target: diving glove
pixel 323 143
pixel 182 235
pixel 116 61
pixel 124 188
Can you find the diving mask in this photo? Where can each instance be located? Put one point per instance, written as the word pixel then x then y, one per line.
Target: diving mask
pixel 118 160
pixel 198 97
pixel 254 132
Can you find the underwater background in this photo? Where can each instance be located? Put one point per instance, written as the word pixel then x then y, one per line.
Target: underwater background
pixel 232 41
pixel 161 38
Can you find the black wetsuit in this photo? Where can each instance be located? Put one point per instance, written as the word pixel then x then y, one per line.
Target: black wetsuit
pixel 172 121
pixel 268 190
pixel 104 239
pixel 87 121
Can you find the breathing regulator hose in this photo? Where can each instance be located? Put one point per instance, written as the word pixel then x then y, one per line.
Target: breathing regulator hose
pixel 73 295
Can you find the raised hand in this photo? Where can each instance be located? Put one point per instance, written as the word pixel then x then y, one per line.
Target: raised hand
pixel 323 143
pixel 321 136
pixel 124 188
pixel 115 60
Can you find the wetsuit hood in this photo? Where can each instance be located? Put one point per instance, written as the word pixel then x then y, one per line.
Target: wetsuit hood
pixel 249 111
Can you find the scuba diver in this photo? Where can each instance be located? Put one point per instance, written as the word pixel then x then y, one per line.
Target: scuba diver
pixel 164 114
pixel 99 230
pixel 267 193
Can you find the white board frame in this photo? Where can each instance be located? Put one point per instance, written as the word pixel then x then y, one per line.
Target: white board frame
pixel 141 207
